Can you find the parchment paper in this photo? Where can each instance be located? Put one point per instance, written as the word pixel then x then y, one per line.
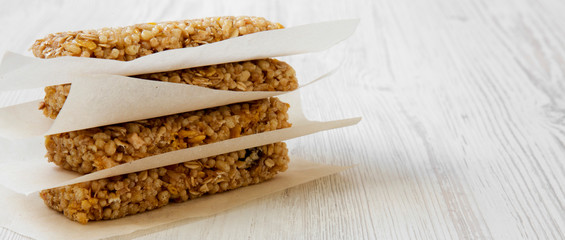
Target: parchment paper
pixel 29 216
pixel 99 100
pixel 27 177
pixel 20 72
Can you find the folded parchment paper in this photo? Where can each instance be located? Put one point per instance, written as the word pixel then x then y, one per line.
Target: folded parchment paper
pixel 99 100
pixel 28 215
pixel 20 72
pixel 31 176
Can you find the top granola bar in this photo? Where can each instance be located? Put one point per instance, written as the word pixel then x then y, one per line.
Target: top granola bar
pixel 131 42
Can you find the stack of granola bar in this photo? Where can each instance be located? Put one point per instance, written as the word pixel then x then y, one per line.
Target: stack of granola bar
pixel 89 150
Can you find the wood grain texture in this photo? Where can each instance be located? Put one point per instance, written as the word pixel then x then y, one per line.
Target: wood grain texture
pixel 464 116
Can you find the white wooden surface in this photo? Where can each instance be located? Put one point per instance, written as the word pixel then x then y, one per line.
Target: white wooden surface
pixel 463 105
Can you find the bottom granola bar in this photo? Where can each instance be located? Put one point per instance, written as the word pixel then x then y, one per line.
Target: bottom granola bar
pixel 138 192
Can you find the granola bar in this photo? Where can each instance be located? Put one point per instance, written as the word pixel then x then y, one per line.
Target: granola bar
pixel 256 75
pixel 128 43
pixel 89 150
pixel 138 192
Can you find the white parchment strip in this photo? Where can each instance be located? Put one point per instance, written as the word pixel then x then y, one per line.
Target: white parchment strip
pixel 23 120
pixel 99 100
pixel 20 72
pixel 31 176
pixel 29 216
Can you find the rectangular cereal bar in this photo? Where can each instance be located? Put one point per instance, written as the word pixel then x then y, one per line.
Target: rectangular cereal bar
pixel 138 192
pixel 128 43
pixel 93 149
pixel 255 75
